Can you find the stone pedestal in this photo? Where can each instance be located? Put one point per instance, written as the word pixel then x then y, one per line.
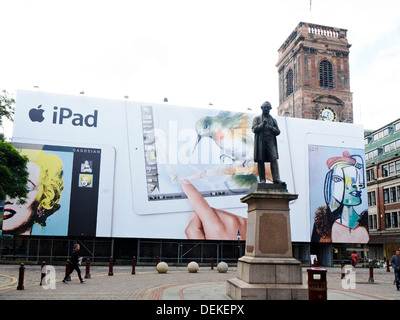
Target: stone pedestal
pixel 268 270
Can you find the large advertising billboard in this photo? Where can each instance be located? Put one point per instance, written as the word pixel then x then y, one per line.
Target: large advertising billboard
pixel 164 171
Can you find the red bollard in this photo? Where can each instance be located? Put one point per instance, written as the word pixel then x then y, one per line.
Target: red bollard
pixel 110 267
pixel 21 277
pixel 342 269
pixel 157 260
pixel 87 271
pixel 133 265
pixel 371 273
pixel 387 266
pixel 42 274
pixel 212 263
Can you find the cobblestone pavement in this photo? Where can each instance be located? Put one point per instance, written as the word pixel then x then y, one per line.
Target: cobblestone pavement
pixel 176 284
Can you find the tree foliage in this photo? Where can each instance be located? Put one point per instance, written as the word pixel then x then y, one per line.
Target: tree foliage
pixel 13 171
pixel 6 106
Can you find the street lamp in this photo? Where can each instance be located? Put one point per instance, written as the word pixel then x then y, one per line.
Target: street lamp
pixel 239 247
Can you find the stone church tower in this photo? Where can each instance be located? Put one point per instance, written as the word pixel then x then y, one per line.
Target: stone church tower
pixel 314 74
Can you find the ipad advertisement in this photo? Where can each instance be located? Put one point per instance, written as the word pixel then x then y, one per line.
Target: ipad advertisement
pixel 133 169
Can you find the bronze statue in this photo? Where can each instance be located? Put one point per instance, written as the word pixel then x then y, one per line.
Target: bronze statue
pixel 265 129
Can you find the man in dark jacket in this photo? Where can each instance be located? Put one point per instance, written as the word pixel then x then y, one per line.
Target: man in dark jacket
pixel 265 130
pixel 74 264
pixel 395 261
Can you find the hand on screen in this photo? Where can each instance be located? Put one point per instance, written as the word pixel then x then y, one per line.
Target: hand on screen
pixel 211 223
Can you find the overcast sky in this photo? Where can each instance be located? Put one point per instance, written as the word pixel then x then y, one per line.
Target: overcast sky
pixel 193 52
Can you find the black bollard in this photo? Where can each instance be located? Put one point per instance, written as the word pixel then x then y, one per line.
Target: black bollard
pixel 67 267
pixel 134 265
pixel 212 263
pixel 21 277
pixel 110 267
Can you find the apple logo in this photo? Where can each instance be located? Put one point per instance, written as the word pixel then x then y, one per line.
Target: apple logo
pixel 36 114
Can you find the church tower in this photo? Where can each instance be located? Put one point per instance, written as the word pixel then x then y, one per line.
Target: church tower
pixel 314 74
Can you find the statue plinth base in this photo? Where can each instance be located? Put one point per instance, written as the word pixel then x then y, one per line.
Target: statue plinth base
pixel 268 270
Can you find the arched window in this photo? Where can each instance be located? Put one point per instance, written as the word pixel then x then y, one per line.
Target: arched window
pixel 289 82
pixel 325 74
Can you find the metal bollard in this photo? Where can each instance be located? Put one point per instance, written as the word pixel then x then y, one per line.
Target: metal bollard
pixel 212 263
pixel 317 288
pixel 342 268
pixel 42 274
pixel 67 267
pixel 371 273
pixel 21 277
pixel 133 265
pixel 87 271
pixel 110 267
pixel 387 266
pixel 157 260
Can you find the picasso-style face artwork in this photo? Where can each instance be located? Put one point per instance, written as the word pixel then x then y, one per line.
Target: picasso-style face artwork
pixel 345 181
pixel 342 218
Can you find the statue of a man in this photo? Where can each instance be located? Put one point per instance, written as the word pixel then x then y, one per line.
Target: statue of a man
pixel 265 129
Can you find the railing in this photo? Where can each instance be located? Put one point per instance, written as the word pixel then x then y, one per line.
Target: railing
pixel 323 31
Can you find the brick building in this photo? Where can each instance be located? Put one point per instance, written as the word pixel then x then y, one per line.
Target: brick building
pixel 314 76
pixel 382 155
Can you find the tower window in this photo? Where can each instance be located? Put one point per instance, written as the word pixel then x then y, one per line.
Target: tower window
pixel 325 74
pixel 289 82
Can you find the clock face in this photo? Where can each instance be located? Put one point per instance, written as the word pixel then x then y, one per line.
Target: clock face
pixel 327 114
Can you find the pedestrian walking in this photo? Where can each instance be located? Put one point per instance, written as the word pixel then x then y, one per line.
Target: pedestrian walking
pixel 354 259
pixel 395 261
pixel 75 261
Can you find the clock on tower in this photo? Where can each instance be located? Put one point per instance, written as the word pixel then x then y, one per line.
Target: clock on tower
pixel 327 114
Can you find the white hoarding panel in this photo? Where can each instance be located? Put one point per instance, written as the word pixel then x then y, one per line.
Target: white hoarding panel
pixel 153 156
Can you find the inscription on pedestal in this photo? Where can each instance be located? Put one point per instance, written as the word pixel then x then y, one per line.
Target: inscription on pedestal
pixel 273 234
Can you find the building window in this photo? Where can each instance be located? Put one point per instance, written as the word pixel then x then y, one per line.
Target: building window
pixel 390 195
pixel 386 196
pixel 371 154
pixel 391 169
pixel 392 220
pixel 393 195
pixel 395 220
pixel 385 171
pixel 371 199
pixel 289 82
pixel 381 134
pixel 392 146
pixel 371 175
pixel 388 221
pixel 372 222
pixel 325 74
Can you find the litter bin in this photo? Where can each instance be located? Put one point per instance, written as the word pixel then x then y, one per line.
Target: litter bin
pixel 317 288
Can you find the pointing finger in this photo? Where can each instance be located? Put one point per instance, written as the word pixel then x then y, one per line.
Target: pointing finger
pixel 205 213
